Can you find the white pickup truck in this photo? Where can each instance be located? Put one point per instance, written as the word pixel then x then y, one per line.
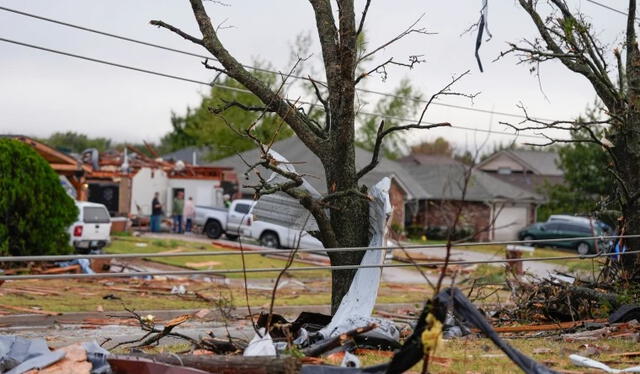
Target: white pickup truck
pixel 238 221
pixel 92 230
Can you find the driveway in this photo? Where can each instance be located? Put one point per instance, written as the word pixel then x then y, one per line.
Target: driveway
pixel 537 268
pixel 408 274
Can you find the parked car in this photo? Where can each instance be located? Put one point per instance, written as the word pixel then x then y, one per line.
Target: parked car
pixel 582 220
pixel 276 236
pixel 558 229
pixel 231 222
pixel 238 221
pixel 91 232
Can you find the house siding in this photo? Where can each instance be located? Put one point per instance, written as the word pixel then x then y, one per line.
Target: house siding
pixel 474 215
pixel 397 198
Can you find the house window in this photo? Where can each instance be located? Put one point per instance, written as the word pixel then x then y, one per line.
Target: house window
pixel 504 170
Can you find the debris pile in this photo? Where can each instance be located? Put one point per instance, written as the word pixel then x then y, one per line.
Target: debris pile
pixel 555 300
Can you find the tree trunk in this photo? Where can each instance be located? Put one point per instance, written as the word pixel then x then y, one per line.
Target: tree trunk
pixel 349 218
pixel 626 139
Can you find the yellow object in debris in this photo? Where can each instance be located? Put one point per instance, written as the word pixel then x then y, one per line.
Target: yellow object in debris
pixel 432 334
pixel 148 318
pixel 424 238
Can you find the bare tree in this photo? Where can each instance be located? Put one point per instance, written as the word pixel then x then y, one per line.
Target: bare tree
pixel 342 215
pixel 567 36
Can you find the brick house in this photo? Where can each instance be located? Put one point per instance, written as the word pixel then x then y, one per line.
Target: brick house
pixel 491 208
pixel 405 191
pixel 527 169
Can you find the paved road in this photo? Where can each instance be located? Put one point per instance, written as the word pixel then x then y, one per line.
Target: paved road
pixel 407 274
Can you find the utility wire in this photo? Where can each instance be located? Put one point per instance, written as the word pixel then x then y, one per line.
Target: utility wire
pixel 174 50
pixel 304 268
pixel 305 250
pixel 213 84
pixel 610 8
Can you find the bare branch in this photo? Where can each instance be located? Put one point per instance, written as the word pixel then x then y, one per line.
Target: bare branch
pixel 408 31
pixel 446 90
pixel 207 65
pixel 567 38
pixel 381 69
pixel 236 104
pixel 364 16
pixel 236 70
pixel 176 30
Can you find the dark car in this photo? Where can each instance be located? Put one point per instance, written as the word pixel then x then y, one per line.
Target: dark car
pixel 561 230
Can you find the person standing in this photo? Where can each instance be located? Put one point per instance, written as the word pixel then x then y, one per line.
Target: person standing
pixel 156 213
pixel 178 207
pixel 189 214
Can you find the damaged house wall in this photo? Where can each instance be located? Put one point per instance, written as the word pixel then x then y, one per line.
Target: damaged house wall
pixel 144 184
pixel 491 209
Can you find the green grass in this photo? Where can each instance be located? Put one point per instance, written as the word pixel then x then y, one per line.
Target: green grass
pixel 253 261
pixel 482 356
pixel 573 265
pixel 88 295
pixel 428 241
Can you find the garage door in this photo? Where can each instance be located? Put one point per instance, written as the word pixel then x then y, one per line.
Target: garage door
pixel 509 221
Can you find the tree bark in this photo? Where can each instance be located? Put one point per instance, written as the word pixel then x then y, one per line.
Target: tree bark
pixel 571 41
pixel 348 223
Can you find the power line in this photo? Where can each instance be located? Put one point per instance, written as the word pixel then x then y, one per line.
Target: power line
pixel 213 84
pixel 610 8
pixel 174 50
pixel 306 268
pixel 300 250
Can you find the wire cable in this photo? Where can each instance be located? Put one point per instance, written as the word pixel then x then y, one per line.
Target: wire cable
pixel 301 268
pixel 183 52
pixel 610 8
pixel 213 84
pixel 302 250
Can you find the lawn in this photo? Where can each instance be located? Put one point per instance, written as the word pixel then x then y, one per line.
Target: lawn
pixel 114 294
pixel 573 265
pixel 211 262
pixel 473 355
pixel 479 355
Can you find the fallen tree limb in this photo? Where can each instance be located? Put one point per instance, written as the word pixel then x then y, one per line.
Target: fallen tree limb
pixel 328 344
pixel 228 364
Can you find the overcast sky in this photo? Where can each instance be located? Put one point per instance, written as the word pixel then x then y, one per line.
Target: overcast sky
pixel 41 93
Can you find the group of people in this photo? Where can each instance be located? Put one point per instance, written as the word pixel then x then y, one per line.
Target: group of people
pixel 182 214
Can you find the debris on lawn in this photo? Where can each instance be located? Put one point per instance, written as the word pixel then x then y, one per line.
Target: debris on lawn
pixel 587 362
pixel 552 300
pixel 19 355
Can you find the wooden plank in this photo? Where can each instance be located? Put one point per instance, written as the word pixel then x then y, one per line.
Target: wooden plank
pixel 29 310
pixel 66 269
pixel 548 327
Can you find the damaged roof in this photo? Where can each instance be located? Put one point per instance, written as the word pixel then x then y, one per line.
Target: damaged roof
pixel 443 178
pixel 309 164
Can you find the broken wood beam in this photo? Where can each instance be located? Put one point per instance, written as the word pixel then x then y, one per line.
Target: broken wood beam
pixel 228 364
pixel 331 343
pixel 29 310
pixel 65 269
pixel 547 327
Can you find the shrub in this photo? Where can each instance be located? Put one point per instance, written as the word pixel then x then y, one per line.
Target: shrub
pixel 415 231
pixel 35 210
pixel 441 233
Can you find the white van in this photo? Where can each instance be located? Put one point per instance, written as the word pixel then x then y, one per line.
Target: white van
pixel 92 230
